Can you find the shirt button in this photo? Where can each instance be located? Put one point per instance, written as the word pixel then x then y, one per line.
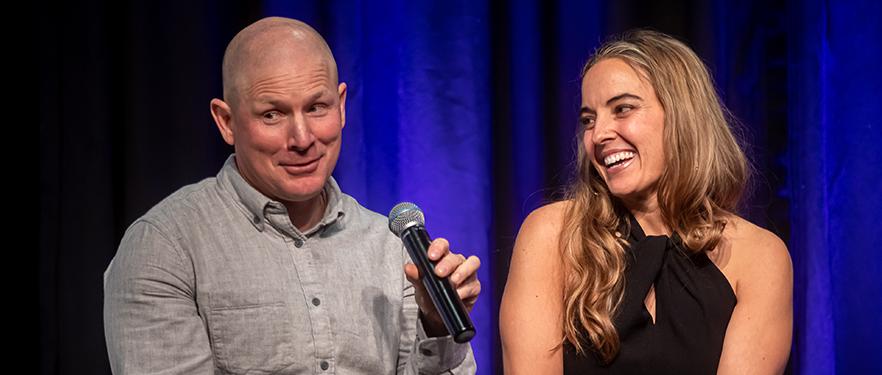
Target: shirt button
pixel 256 219
pixel 325 365
pixel 298 242
pixel 316 301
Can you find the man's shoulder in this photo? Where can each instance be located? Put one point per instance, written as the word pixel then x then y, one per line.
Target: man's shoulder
pixel 151 237
pixel 362 216
pixel 182 204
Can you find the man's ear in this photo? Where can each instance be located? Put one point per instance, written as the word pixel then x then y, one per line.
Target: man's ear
pixel 223 118
pixel 341 90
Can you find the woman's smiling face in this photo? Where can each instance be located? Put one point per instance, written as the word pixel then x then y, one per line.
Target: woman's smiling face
pixel 624 130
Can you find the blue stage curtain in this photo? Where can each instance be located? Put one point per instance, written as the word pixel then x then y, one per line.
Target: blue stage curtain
pixel 835 133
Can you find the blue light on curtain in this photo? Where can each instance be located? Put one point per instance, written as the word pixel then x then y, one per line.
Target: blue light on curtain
pixel 835 139
pixel 528 150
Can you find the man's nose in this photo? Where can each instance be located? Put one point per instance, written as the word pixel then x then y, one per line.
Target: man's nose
pixel 300 135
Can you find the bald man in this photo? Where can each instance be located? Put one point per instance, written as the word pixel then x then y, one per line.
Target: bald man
pixel 268 267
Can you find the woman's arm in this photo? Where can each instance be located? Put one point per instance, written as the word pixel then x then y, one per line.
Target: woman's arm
pixel 759 334
pixel 530 318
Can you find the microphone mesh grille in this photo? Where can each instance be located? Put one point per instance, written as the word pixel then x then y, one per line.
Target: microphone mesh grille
pixel 404 215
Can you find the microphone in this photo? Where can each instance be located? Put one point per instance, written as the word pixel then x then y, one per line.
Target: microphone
pixel 406 220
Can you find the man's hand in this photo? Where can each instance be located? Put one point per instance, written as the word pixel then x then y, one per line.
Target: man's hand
pixel 462 274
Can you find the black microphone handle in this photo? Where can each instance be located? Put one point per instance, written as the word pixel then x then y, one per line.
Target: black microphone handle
pixel 445 298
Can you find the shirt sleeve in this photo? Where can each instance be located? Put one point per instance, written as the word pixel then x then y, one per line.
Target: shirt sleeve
pixel 151 322
pixel 419 354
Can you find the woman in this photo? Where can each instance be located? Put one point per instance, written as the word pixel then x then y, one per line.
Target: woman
pixel 645 267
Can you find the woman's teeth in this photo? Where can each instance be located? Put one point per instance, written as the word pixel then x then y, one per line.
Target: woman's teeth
pixel 617 157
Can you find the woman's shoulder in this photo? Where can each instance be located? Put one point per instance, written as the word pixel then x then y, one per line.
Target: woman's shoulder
pixel 551 213
pixel 752 240
pixel 754 254
pixel 545 222
pixel 540 232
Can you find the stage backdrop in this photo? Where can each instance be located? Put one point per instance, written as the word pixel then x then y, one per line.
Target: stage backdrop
pixel 467 108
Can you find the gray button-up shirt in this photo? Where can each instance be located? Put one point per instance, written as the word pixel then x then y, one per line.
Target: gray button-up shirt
pixel 215 278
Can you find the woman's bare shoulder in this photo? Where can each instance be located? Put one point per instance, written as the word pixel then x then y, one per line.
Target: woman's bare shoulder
pixel 755 253
pixel 548 216
pixel 542 227
pixel 537 241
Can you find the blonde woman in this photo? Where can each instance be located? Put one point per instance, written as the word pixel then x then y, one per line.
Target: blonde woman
pixel 645 268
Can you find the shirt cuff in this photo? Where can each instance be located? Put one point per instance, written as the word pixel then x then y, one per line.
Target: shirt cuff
pixel 436 355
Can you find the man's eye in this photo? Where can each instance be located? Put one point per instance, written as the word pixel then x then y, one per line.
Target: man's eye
pixel 272 117
pixel 319 108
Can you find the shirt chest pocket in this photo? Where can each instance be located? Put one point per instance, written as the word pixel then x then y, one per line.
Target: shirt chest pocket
pixel 253 338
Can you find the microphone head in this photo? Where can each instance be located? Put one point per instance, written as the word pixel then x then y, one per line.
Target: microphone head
pixel 405 215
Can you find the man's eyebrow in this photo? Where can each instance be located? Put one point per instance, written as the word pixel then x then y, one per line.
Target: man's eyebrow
pixel 265 99
pixel 275 100
pixel 316 95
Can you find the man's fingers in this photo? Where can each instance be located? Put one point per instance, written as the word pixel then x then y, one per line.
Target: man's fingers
pixel 438 249
pixel 447 265
pixel 412 272
pixel 469 290
pixel 467 269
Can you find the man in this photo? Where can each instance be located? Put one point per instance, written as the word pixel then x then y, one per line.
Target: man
pixel 269 267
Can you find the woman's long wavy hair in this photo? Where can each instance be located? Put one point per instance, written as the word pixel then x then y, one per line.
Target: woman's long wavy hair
pixel 704 177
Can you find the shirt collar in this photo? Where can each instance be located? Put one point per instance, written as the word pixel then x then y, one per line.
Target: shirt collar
pixel 256 204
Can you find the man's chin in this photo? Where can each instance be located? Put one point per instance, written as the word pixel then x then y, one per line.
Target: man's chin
pixel 301 193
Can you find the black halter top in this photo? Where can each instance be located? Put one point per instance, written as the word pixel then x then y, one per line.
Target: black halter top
pixel 693 304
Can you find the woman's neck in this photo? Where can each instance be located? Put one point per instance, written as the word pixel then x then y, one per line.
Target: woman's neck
pixel 649 215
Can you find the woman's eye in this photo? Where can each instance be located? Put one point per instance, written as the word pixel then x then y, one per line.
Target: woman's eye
pixel 623 109
pixel 587 122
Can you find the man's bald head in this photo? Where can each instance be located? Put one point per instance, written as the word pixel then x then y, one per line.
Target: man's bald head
pixel 265 41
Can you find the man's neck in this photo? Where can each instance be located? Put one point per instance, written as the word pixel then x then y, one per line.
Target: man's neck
pixel 307 214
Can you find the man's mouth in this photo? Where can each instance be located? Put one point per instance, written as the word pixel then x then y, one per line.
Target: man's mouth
pixel 303 167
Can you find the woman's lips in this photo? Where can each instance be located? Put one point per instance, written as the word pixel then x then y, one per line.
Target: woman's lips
pixel 616 160
pixel 619 167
